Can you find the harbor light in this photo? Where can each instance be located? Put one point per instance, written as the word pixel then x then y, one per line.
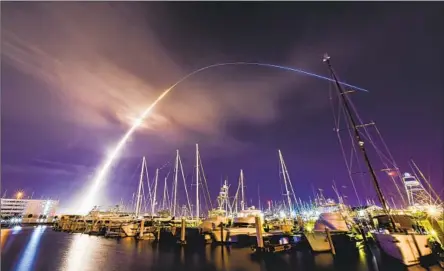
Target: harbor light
pixel 19 195
pixel 432 211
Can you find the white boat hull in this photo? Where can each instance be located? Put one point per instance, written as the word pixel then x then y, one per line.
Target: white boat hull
pixel 402 246
pixel 318 241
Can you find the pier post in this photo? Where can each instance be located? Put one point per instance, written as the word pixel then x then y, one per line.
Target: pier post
pixel 142 228
pixel 182 232
pixel 259 237
pixel 332 246
pixel 222 233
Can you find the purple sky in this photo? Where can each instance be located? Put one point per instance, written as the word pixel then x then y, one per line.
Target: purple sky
pixel 74 76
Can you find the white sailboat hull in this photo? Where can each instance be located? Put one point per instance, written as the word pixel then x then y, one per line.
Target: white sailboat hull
pixel 402 246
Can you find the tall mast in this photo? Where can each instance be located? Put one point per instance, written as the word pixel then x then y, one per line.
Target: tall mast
pixel 139 190
pixel 287 192
pixel 242 190
pixel 357 136
pixel 197 182
pixel 155 191
pixel 164 200
pixel 176 171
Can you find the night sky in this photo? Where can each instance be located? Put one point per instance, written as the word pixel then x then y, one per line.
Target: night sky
pixel 75 75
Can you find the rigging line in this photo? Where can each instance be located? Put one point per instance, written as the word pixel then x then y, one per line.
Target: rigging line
pixel 383 157
pixel 144 201
pixel 184 184
pixel 173 189
pixel 385 146
pixel 281 176
pixel 380 153
pixel 343 150
pixel 148 184
pixel 355 152
pixel 164 165
pixel 368 134
pixel 289 181
pixel 438 198
pixel 397 186
pixel 205 180
pixel 391 157
pixel 415 173
pixel 167 201
pixel 235 200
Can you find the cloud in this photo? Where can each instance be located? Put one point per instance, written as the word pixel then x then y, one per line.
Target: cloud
pixel 103 66
pixel 47 168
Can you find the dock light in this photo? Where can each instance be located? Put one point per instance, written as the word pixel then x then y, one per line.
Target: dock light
pixel 432 211
pixel 19 195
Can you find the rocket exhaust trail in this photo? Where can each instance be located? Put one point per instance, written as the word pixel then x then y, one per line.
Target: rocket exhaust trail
pixel 88 201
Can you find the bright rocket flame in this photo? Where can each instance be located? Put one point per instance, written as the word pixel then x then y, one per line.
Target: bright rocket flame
pixel 88 201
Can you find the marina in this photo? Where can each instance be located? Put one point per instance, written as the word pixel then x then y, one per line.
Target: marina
pixel 26 250
pixel 212 179
pixel 411 236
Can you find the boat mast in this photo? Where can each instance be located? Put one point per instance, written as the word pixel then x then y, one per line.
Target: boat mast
pixel 155 191
pixel 287 192
pixel 357 136
pixel 242 190
pixel 138 203
pixel 176 171
pixel 164 200
pixel 197 182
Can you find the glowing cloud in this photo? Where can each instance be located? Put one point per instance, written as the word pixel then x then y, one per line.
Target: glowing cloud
pixel 88 201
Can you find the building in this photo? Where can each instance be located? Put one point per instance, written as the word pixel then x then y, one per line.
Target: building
pixel 28 208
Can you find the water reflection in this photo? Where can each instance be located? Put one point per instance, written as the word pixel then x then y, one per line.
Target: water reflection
pixel 83 250
pixel 37 249
pixel 27 259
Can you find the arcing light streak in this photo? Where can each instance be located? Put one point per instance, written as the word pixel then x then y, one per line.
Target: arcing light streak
pixel 88 201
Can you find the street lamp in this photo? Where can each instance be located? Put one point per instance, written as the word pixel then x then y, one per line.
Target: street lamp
pixel 19 195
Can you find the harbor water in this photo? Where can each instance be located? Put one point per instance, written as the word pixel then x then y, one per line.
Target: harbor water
pixel 41 248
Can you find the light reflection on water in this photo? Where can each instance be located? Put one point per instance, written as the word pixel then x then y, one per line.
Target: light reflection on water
pixel 40 249
pixel 27 258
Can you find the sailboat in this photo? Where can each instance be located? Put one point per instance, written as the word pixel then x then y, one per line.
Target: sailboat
pixel 284 220
pixel 402 243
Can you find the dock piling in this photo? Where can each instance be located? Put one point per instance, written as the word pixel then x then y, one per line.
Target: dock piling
pixel 142 228
pixel 182 232
pixel 330 241
pixel 259 237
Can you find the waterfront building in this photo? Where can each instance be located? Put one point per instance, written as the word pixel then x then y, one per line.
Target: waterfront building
pixel 29 210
